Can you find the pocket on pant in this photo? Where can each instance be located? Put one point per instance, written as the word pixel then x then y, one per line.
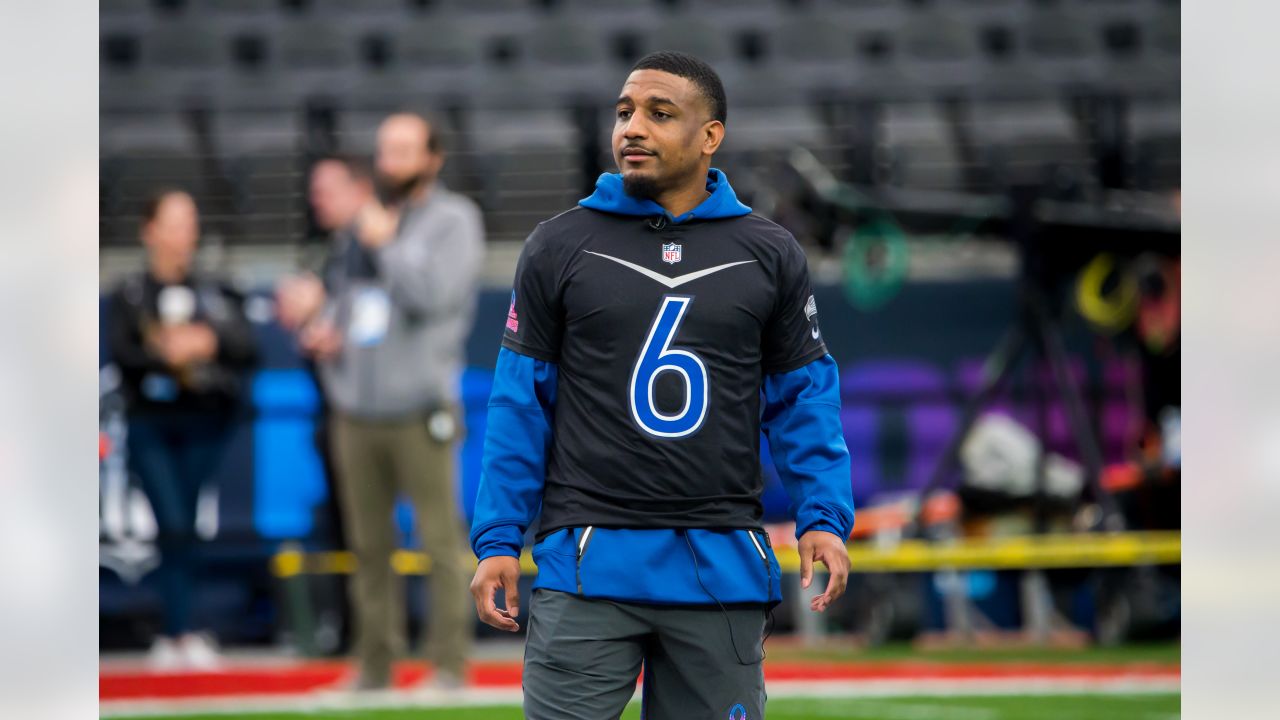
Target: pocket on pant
pixel 748 633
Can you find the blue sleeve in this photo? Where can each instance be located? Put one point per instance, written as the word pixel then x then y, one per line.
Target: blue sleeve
pixel 802 423
pixel 516 442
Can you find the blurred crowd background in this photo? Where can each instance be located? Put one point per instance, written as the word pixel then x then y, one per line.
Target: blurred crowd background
pixel 959 171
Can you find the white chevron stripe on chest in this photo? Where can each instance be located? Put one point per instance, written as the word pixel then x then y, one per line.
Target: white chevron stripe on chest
pixel 670 282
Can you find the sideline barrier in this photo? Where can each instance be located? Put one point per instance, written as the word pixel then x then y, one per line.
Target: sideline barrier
pixel 1027 552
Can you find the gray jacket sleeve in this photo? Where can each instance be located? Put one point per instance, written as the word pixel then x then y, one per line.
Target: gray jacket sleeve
pixel 431 267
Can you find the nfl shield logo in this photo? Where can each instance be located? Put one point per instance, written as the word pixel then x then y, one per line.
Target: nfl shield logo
pixel 671 253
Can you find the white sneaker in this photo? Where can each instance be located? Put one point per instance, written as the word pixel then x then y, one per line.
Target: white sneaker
pixel 442 685
pixel 165 656
pixel 200 653
pixel 446 681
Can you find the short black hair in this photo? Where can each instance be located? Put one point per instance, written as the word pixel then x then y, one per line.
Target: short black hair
pixel 692 69
pixel 151 204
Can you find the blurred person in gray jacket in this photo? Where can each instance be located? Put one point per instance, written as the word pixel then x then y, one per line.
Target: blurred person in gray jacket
pixel 387 323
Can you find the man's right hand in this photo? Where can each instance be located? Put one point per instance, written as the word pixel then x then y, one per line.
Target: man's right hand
pixel 377 225
pixel 494 573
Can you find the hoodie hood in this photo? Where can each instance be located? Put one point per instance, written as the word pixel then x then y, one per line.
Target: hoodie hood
pixel 609 197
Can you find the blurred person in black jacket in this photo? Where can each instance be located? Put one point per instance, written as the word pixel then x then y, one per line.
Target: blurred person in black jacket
pixel 182 343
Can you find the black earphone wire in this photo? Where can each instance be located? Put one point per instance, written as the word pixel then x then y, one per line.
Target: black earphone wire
pixel 697 571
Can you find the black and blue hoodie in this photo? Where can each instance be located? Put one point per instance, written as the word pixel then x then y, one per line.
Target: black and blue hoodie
pixel 643 356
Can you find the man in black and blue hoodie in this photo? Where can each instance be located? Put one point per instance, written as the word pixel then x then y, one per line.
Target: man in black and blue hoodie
pixel 654 331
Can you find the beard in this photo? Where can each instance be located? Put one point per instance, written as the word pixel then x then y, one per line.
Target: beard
pixel 396 190
pixel 643 187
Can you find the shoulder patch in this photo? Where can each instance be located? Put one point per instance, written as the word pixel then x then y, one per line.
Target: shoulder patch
pixel 513 323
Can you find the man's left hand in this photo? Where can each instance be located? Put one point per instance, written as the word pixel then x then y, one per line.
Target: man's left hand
pixel 829 549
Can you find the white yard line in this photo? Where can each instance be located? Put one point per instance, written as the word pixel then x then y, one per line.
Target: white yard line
pixel 817 689
pixel 312 702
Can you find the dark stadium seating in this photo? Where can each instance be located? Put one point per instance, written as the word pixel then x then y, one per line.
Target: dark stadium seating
pixel 923 66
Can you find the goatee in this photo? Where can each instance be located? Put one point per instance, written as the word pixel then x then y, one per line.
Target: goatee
pixel 639 186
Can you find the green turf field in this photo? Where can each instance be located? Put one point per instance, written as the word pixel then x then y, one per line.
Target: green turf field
pixel 1018 707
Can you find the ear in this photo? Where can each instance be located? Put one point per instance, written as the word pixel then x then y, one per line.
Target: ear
pixel 712 136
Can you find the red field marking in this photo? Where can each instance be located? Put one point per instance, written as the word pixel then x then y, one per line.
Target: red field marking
pixel 292 679
pixel 305 677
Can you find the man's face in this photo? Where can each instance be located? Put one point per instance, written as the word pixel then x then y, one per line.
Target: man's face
pixel 661 133
pixel 403 161
pixel 336 196
pixel 172 234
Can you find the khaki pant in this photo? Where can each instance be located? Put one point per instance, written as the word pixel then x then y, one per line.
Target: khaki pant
pixel 376 461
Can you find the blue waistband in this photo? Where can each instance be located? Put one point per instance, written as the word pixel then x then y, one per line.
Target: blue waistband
pixel 678 567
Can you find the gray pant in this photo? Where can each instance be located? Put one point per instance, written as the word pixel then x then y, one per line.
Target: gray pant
pixel 583 656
